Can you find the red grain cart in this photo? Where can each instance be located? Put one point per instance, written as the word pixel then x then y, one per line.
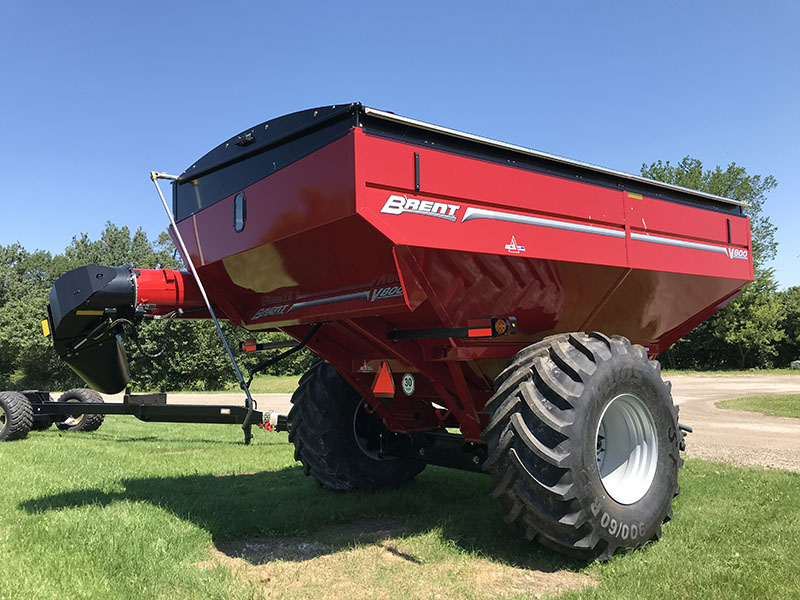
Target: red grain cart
pixel 446 280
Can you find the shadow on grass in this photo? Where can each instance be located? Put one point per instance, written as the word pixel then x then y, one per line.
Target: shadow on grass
pixel 282 514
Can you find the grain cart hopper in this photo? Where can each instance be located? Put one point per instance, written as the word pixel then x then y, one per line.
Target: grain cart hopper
pixel 448 282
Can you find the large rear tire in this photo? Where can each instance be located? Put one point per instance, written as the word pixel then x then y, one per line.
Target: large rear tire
pixel 16 416
pixel 82 423
pixel 333 436
pixel 583 445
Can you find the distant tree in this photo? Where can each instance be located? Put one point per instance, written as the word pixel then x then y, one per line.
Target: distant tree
pixel 750 324
pixel 733 183
pixel 789 349
pixel 753 323
pixel 27 359
pixel 195 357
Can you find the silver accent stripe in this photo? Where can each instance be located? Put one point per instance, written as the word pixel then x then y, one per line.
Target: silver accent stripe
pixel 330 300
pixel 656 239
pixel 495 215
pixel 537 153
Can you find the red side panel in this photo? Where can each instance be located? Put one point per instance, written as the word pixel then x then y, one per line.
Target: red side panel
pixel 315 190
pixel 560 254
pixel 343 236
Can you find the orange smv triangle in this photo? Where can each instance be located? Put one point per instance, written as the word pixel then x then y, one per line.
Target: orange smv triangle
pixel 383 387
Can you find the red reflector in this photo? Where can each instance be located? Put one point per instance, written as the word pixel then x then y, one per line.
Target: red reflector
pixel 249 348
pixel 480 332
pixel 383 386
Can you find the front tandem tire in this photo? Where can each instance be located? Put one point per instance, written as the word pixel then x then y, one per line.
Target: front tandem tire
pixel 583 445
pixel 42 425
pixel 82 423
pixel 331 433
pixel 16 416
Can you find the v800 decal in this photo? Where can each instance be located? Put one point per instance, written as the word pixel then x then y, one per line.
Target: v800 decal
pixel 738 253
pixel 372 295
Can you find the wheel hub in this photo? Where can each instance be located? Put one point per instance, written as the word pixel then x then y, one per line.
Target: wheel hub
pixel 73 421
pixel 364 425
pixel 626 448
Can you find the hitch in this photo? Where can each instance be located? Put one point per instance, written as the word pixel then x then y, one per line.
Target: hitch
pixel 274 421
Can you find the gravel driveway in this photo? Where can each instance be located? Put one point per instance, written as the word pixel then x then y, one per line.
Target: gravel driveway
pixel 734 436
pixel 738 437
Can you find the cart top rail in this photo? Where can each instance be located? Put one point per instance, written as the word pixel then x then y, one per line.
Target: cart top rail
pixel 283 140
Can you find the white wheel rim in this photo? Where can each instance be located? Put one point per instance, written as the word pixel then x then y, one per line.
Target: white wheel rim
pixel 73 421
pixel 626 449
pixel 3 418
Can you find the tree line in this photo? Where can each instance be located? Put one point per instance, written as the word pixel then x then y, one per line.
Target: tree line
pixel 759 329
pixel 195 358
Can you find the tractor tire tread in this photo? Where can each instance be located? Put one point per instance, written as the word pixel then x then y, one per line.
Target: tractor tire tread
pixel 88 422
pixel 320 427
pixel 533 442
pixel 19 416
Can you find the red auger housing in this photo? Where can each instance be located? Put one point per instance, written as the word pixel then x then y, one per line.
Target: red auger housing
pixel 89 305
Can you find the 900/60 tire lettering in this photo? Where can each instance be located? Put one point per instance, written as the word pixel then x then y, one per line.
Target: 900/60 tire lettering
pixel 624 531
pixel 621 530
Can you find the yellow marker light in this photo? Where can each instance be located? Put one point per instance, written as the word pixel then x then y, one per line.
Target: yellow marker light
pixel 634 196
pixel 89 313
pixel 45 328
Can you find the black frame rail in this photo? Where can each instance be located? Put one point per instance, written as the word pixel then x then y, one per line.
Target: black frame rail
pixel 149 408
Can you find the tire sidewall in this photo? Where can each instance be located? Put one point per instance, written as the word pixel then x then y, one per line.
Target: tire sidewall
pixel 627 524
pixel 18 414
pixel 321 425
pixel 86 422
pixel 4 409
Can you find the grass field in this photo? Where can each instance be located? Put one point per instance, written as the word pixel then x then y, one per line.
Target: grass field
pixel 160 511
pixel 776 406
pixel 269 384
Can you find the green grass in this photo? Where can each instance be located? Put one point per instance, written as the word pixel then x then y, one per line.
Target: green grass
pixel 265 384
pixel 129 511
pixel 776 406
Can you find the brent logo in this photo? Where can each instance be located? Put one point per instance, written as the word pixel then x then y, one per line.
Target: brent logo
pixel 270 311
pixel 397 205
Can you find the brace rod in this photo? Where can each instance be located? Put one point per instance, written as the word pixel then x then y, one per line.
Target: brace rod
pixel 246 425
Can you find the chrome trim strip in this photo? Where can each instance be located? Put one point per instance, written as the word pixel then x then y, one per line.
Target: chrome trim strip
pixel 472 213
pixel 531 152
pixel 656 239
pixel 329 300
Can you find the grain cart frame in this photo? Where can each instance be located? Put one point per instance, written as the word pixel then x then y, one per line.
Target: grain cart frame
pixel 446 281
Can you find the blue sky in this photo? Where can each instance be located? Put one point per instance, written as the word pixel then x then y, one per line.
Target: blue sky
pixel 97 94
